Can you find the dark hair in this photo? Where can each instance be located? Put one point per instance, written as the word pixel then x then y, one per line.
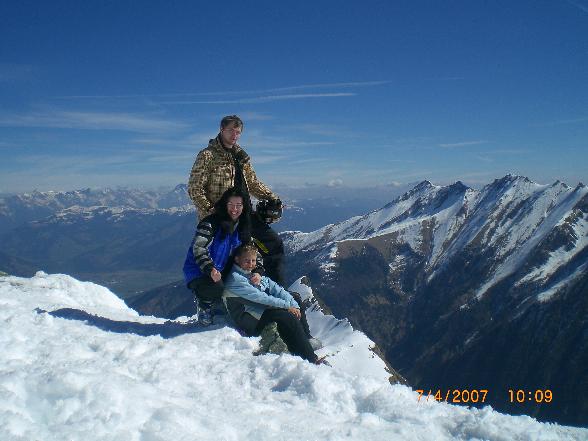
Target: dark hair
pixel 220 208
pixel 231 120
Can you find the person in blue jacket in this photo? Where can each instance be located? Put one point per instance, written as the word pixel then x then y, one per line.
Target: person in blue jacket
pixel 217 235
pixel 253 305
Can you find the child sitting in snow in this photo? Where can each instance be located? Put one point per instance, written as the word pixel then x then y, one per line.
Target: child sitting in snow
pixel 253 306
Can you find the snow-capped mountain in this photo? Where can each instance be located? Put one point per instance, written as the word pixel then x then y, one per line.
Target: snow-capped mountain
pixel 306 209
pixel 78 364
pixel 18 209
pixel 128 240
pixel 512 216
pixel 467 287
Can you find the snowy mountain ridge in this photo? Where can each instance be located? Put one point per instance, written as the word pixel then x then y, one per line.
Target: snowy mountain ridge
pixel 511 216
pixel 77 213
pixel 89 197
pixel 17 210
pixel 78 364
pixel 468 287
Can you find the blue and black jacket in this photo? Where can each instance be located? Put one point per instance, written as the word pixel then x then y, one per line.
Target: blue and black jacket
pixel 212 246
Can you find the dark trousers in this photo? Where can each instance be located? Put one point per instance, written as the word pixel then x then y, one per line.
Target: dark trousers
pixel 274 268
pixel 206 290
pixel 290 330
pixel 303 320
pixel 271 248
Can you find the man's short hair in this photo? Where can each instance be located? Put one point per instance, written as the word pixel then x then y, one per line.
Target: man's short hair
pixel 231 120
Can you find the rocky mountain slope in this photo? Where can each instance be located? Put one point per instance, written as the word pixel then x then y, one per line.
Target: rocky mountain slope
pixel 468 288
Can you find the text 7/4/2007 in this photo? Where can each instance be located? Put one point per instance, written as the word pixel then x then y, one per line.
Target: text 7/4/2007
pixel 454 395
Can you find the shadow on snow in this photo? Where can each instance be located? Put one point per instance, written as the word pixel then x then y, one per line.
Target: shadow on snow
pixel 169 329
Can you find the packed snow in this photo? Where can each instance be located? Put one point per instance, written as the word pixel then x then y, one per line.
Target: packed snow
pixel 78 364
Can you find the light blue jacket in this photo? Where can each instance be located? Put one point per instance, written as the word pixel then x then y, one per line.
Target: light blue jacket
pixel 258 298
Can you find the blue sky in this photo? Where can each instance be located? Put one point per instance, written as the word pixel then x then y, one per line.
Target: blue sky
pixel 125 93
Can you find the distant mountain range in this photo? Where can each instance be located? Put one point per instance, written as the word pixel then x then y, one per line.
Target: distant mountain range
pixel 461 288
pixel 128 249
pixel 467 289
pixel 306 209
pixel 16 210
pixel 134 240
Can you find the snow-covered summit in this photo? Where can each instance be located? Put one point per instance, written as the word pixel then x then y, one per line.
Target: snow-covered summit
pixel 510 217
pixel 466 286
pixel 78 364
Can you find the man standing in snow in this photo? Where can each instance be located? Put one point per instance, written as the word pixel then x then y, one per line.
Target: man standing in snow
pixel 224 164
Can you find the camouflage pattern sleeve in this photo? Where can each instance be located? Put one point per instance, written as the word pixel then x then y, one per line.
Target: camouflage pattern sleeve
pixel 197 183
pixel 256 187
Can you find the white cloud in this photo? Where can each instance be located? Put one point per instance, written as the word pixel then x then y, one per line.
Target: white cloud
pixel 335 182
pixel 93 121
pixel 578 5
pixel 463 144
pixel 341 85
pixel 268 98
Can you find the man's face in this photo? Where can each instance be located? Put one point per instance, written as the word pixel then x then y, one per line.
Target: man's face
pixel 247 261
pixel 230 134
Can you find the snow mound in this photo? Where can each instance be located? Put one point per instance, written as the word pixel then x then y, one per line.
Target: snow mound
pixel 78 364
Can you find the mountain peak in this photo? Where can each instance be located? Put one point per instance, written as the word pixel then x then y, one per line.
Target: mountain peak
pixel 559 183
pixel 514 178
pixel 424 185
pixel 508 181
pixel 459 187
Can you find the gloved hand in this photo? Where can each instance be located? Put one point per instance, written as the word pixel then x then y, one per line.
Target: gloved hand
pixel 270 210
pixel 275 204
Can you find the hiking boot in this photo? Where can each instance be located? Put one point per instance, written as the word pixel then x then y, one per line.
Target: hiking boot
pixel 205 313
pixel 271 342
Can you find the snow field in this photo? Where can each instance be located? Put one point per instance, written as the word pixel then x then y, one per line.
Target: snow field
pixel 84 373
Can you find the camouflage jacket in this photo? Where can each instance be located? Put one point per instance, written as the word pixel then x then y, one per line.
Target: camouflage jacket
pixel 213 173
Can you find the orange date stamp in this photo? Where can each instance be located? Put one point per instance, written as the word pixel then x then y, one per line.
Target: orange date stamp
pixel 454 395
pixel 473 396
